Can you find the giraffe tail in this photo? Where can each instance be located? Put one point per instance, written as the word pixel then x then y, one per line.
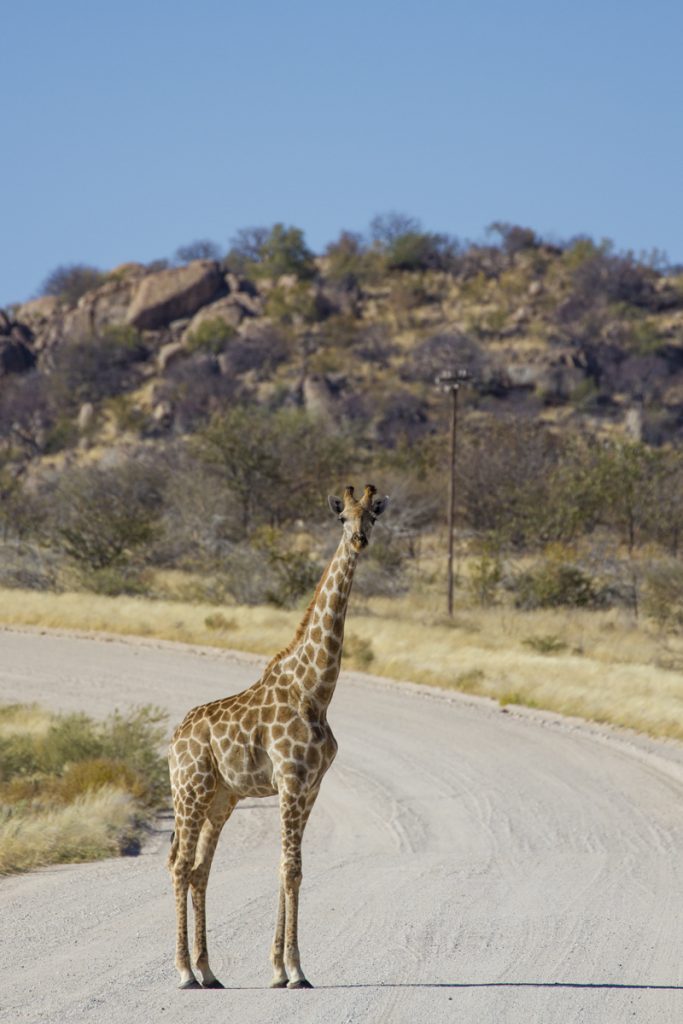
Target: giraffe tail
pixel 174 851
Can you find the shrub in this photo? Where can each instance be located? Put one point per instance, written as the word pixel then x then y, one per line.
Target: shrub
pixel 202 249
pixel 71 282
pixel 485 575
pixel 211 336
pixel 547 644
pixel 382 572
pixel 513 238
pixel 219 622
pixel 663 595
pixel 294 573
pixel 349 261
pixel 358 651
pixel 246 248
pixel 284 251
pixel 553 584
pixel 64 755
pixel 87 776
pixel 102 517
pixel 100 367
pixel 301 304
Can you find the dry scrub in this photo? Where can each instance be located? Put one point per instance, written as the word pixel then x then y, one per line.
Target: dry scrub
pixel 599 665
pixel 72 789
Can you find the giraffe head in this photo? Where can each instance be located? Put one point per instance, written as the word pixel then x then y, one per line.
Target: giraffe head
pixel 358 517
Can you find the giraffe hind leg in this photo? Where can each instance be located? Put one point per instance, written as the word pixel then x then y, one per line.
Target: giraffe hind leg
pixel 219 811
pixel 192 796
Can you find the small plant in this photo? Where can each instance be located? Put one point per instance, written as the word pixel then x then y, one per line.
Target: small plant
pixel 358 651
pixel 546 644
pixel 211 336
pixel 469 682
pixel 219 622
pixel 516 697
pixel 553 584
pixel 485 575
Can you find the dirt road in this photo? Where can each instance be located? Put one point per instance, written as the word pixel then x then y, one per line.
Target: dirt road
pixel 461 864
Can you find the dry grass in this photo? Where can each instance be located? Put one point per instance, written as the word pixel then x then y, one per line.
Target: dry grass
pixel 599 665
pixel 89 828
pixel 73 789
pixel 25 720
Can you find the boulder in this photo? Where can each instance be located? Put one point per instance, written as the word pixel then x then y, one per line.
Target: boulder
pixel 169 354
pixel 5 323
pixel 38 311
pixel 172 294
pixel 86 416
pixel 228 310
pixel 318 397
pixel 236 283
pixel 162 413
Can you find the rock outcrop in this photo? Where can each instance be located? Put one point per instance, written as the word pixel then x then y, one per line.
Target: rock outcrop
pixel 173 294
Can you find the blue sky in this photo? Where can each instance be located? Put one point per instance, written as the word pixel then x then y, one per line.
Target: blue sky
pixel 131 128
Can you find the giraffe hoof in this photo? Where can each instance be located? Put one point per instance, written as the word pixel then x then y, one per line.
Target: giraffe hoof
pixel 212 984
pixel 302 983
pixel 279 983
pixel 190 983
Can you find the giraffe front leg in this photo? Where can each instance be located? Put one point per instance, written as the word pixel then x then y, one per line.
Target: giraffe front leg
pixel 180 867
pixel 277 953
pixel 294 812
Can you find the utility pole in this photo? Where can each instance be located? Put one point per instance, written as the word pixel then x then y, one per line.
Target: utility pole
pixel 450 382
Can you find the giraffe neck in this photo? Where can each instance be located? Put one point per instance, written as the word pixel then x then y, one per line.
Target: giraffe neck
pixel 315 659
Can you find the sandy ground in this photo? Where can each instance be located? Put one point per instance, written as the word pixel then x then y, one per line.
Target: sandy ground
pixel 461 864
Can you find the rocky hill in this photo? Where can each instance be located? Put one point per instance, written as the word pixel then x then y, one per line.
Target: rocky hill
pixel 573 336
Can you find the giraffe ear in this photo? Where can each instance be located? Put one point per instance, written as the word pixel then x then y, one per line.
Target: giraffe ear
pixel 336 504
pixel 379 505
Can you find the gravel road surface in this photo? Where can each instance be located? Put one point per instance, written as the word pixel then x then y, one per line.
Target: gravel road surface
pixel 461 864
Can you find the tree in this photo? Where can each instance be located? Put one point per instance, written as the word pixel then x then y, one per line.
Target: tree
pixel 386 228
pixel 246 247
pixel 202 249
pixel 276 465
pixel 284 251
pixel 405 246
pixel 103 517
pixel 71 282
pixel 513 238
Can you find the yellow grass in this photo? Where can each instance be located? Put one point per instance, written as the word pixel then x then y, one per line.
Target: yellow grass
pixel 87 829
pixel 24 719
pixel 608 668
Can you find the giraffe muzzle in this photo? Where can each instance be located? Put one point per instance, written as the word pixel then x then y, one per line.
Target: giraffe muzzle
pixel 359 541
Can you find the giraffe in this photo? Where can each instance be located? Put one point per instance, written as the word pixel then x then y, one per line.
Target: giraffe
pixel 271 739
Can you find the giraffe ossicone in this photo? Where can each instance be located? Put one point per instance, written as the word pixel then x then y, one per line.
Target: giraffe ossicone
pixel 271 739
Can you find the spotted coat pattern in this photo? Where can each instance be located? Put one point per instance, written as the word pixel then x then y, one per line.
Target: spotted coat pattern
pixel 271 739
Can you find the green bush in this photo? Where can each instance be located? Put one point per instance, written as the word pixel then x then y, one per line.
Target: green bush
pixel 546 644
pixel 121 751
pixel 211 336
pixel 284 251
pixel 553 584
pixel 485 575
pixel 300 304
pixel 663 595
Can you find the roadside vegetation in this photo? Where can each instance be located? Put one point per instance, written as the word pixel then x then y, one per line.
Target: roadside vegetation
pixel 72 789
pixel 170 481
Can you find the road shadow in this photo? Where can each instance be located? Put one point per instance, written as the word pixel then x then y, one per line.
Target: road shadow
pixel 514 984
